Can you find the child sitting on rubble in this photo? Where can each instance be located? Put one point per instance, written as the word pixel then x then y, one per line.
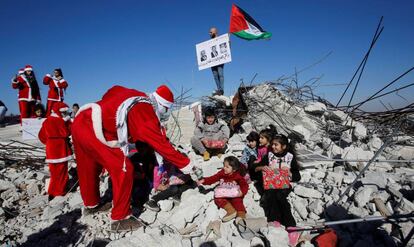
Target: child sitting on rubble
pixel 170 182
pixel 265 137
pixel 250 151
pixel 231 190
pixel 210 136
pixel 279 167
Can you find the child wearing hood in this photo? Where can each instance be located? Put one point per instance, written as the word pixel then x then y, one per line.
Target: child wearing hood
pixel 54 133
pixel 210 136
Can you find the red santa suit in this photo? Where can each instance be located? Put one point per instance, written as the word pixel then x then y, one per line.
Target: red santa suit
pixel 55 134
pixel 56 91
pixel 28 95
pixel 101 132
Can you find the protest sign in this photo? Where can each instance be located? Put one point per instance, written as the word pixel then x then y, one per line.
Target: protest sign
pixel 213 52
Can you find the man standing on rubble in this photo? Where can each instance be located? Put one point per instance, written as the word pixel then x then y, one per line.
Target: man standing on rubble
pixel 218 73
pixel 101 132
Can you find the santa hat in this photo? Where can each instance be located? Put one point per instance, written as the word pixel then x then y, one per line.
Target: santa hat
pixel 164 96
pixel 21 71
pixel 28 68
pixel 60 107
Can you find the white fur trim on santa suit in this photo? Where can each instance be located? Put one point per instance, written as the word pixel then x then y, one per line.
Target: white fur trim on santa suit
pixel 56 82
pixel 126 217
pixel 30 89
pixel 56 100
pixel 97 123
pixel 70 157
pixel 28 69
pixel 120 120
pixel 187 169
pixel 162 101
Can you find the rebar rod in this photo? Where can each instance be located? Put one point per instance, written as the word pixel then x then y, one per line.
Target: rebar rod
pixel 355 160
pixel 360 74
pixel 382 89
pixel 384 94
pixel 320 225
pixel 362 62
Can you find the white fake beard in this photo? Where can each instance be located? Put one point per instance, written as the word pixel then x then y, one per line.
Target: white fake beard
pixel 163 113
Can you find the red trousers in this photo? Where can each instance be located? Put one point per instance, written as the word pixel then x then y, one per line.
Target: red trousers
pixel 26 109
pixel 91 157
pixel 58 178
pixel 49 106
pixel 237 203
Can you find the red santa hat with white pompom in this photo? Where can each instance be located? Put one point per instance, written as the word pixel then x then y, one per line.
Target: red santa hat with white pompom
pixel 164 96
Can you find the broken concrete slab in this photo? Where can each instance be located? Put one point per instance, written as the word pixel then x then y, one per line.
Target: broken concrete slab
pixel 362 195
pixel 307 192
pixel 302 131
pixel 75 200
pixel 316 108
pixel 166 205
pixel 300 206
pixel 32 188
pixel 247 127
pixel 357 153
pixel 6 185
pixel 335 178
pixel 375 143
pixel 360 131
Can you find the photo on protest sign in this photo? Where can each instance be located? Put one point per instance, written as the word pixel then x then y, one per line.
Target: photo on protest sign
pixel 213 52
pixel 31 128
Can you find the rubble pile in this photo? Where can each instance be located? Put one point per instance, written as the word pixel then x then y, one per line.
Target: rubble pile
pixel 186 223
pixel 311 126
pixel 332 149
pixel 27 214
pixel 32 220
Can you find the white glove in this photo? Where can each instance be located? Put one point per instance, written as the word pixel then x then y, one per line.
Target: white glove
pixel 190 170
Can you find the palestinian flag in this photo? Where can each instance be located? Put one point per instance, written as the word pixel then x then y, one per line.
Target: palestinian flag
pixel 244 26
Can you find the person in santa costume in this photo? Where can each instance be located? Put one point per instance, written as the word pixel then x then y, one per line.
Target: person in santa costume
pixel 54 133
pixel 29 93
pixel 57 86
pixel 101 132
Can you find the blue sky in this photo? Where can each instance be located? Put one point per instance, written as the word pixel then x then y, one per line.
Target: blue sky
pixel 142 44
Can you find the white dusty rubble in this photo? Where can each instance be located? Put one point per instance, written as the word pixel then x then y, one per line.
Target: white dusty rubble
pixel 316 108
pixel 32 220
